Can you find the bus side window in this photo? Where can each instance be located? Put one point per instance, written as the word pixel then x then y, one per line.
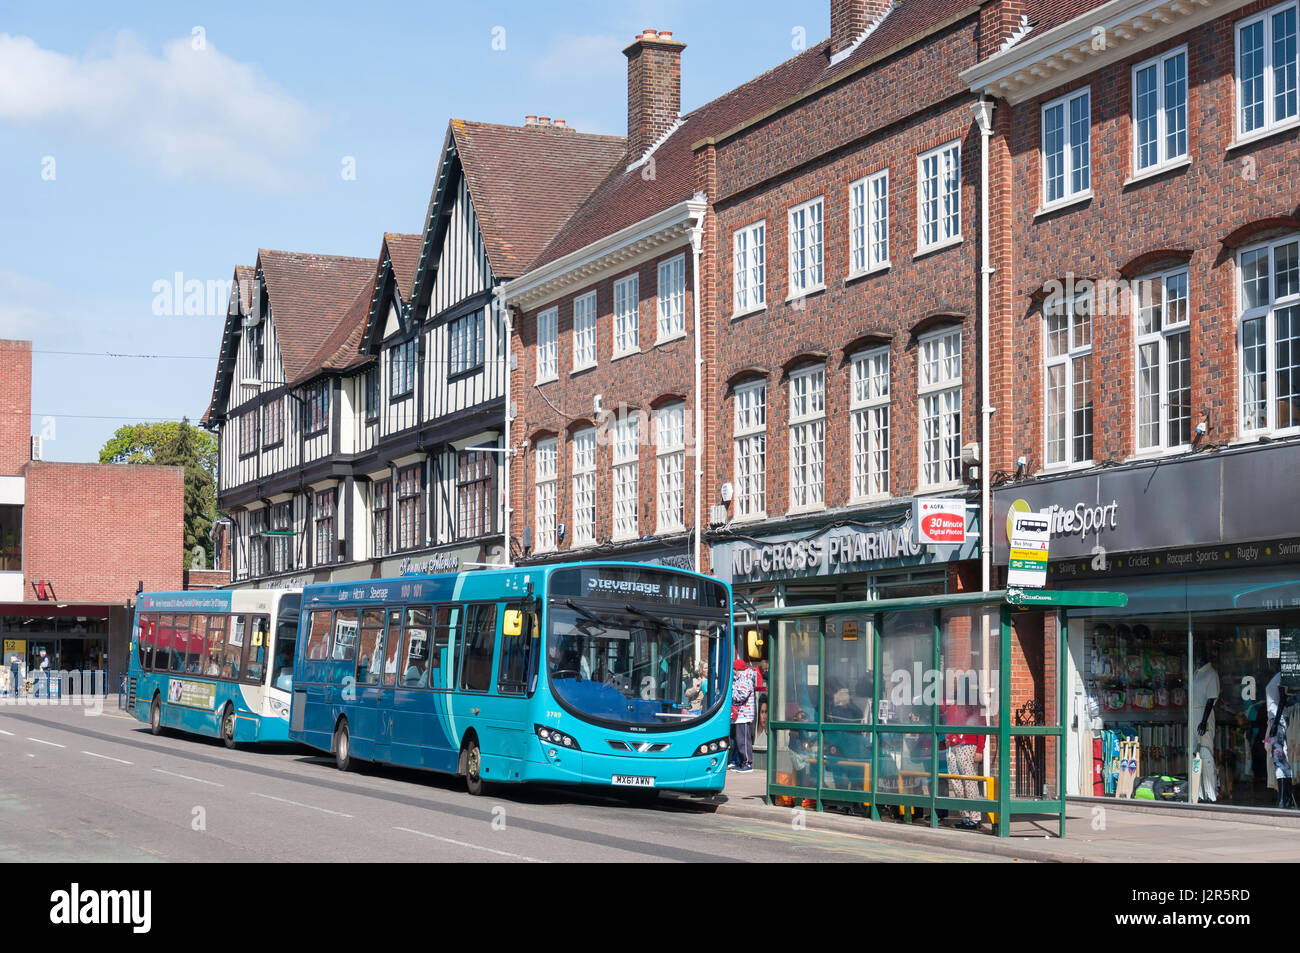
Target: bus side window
pixel 318 636
pixel 233 659
pixel 415 652
pixel 180 642
pixel 344 647
pixel 216 645
pixel 197 662
pixel 392 646
pixel 162 644
pixel 372 637
pixel 148 624
pixel 258 644
pixel 480 643
pixel 442 652
pixel 515 653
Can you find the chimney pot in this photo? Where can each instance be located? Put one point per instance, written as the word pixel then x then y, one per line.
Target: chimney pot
pixel 559 122
pixel 530 120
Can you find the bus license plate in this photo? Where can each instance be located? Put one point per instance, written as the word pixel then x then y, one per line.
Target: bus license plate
pixel 633 781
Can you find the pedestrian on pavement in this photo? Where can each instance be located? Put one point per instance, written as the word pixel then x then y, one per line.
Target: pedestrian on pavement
pixel 45 670
pixel 742 717
pixel 963 750
pixel 15 674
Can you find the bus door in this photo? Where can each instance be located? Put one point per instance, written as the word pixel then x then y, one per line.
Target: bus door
pixel 514 682
pixel 386 702
pixel 363 704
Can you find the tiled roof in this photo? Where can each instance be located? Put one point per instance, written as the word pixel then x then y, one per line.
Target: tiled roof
pixel 404 250
pixel 1045 14
pixel 626 197
pixel 311 297
pixel 341 350
pixel 245 282
pixel 526 181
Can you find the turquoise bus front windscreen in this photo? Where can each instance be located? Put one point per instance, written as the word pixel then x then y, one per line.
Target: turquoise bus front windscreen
pixel 637 650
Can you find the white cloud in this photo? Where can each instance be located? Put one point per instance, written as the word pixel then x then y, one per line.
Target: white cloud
pixel 587 56
pixel 191 114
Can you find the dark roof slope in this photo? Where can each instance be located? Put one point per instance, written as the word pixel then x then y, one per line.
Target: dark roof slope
pixel 311 296
pixel 1043 15
pixel 404 251
pixel 626 197
pixel 526 181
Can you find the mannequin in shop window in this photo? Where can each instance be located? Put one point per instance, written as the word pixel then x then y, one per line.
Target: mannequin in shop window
pixel 1205 693
pixel 1275 740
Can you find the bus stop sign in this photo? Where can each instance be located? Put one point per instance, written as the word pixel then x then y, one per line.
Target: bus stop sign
pixel 1027 567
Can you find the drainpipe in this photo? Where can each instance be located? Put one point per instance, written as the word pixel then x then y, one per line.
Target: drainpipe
pixel 697 242
pixel 508 452
pixel 984 116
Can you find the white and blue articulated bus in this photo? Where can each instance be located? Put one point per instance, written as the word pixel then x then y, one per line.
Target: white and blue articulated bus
pixel 217 663
pixel 608 674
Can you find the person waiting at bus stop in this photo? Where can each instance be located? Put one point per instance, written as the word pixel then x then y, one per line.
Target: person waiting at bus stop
pixel 742 717
pixel 963 752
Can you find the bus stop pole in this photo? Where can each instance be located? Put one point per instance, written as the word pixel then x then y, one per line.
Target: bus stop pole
pixel 1004 727
pixel 1062 661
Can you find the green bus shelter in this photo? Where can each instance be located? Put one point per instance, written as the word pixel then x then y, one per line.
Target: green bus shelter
pixel 877 706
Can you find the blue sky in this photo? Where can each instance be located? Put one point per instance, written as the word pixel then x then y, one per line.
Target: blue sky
pixel 141 140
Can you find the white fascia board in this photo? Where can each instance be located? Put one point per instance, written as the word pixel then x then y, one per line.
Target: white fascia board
pixel 550 281
pixel 1075 43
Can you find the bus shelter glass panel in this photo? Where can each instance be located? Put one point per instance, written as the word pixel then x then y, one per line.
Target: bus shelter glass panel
pixel 904 763
pixel 969 653
pixel 909 684
pixel 795 758
pixel 798 690
pixel 848 658
pixel 848 760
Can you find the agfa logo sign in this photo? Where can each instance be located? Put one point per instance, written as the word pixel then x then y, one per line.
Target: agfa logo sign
pixel 940 522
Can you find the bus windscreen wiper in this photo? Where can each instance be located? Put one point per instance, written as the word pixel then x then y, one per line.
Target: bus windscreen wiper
pixel 586 614
pixel 657 621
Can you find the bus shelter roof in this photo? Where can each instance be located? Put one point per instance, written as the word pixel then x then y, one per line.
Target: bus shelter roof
pixel 1016 598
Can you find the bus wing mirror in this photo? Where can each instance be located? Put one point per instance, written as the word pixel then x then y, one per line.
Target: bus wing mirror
pixel 754 643
pixel 513 623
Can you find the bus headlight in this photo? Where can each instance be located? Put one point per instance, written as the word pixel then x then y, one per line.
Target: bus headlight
pixel 713 747
pixel 278 708
pixel 555 738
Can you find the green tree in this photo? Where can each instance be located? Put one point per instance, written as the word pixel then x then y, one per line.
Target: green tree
pixel 176 444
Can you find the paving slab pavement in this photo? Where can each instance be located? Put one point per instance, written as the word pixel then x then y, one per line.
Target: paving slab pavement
pixel 1095 833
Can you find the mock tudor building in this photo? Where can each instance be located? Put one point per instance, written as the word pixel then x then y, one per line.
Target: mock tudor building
pixel 1153 302
pixel 361 402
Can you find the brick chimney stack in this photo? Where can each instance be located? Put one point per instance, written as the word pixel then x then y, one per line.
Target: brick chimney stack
pixel 849 18
pixel 15 405
pixel 654 88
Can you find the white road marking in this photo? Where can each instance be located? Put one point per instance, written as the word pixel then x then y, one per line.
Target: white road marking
pixel 52 744
pixel 459 843
pixel 9 733
pixel 106 757
pixel 310 807
pixel 30 755
pixel 188 778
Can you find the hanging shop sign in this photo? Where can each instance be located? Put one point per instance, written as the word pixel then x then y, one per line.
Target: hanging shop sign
pixel 939 522
pixel 1030 537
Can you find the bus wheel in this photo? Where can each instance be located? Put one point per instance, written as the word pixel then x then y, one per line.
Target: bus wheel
pixel 228 728
pixel 343 748
pixel 473 769
pixel 155 717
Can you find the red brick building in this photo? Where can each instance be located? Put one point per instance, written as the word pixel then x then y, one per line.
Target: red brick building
pixel 76 541
pixel 1147 347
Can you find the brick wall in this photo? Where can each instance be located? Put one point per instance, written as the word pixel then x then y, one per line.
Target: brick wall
pixel 640 381
pixel 95 531
pixel 15 405
pixel 816 149
pixel 1184 211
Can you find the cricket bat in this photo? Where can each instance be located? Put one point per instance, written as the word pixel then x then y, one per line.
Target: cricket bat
pixel 1121 785
pixel 1085 763
pixel 1194 794
pixel 1135 767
